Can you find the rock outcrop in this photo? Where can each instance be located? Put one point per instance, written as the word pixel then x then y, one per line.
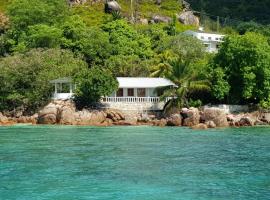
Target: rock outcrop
pixel 26 119
pixel 161 19
pixel 77 2
pixel 4 22
pixel 246 121
pixel 65 113
pixel 174 120
pixel 211 124
pixel 188 18
pixel 215 115
pixel 191 116
pixel 200 126
pixel 3 120
pixel 112 6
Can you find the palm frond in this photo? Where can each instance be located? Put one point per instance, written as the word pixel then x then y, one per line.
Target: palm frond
pixel 200 85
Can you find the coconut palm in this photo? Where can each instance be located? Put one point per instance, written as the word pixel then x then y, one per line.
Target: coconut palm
pixel 185 75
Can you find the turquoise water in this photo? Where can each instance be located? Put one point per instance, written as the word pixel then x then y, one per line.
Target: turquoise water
pixel 137 163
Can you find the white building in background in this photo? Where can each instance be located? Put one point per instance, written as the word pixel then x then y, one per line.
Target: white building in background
pixel 211 41
pixel 134 93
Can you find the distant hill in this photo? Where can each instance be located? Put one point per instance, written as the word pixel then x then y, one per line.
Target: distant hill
pixel 246 10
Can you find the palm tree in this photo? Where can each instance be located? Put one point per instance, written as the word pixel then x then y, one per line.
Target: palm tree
pixel 184 74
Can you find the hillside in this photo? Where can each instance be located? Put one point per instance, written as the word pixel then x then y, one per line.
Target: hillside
pixel 3 4
pixel 243 10
pixel 246 10
pixel 93 13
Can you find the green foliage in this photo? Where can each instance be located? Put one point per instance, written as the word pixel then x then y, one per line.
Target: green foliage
pixel 265 104
pixel 246 10
pixel 245 60
pixel 171 27
pixel 245 27
pixel 4 4
pixel 95 46
pixel 239 72
pixel 24 13
pixel 195 103
pixel 220 87
pixel 25 77
pixel 93 43
pixel 147 8
pixel 182 60
pixel 187 48
pixel 124 66
pixel 155 32
pixel 42 35
pixel 126 40
pixel 92 15
pixel 92 84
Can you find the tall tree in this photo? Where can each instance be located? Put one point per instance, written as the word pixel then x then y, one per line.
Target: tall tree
pixel 245 60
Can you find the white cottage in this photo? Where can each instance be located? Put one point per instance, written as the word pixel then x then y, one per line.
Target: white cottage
pixel 133 93
pixel 211 41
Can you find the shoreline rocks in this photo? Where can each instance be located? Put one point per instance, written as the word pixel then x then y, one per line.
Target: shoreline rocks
pixel 65 113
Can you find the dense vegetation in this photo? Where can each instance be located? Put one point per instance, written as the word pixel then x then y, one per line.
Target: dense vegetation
pixel 36 48
pixel 237 10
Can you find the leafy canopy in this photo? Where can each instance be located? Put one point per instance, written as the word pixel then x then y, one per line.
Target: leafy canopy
pixel 92 84
pixel 245 60
pixel 25 77
pixel 24 13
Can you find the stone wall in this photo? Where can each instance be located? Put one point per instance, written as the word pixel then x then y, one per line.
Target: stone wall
pixel 230 108
pixel 139 107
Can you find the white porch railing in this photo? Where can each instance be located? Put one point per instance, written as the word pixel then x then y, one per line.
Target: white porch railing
pixel 133 99
pixel 62 96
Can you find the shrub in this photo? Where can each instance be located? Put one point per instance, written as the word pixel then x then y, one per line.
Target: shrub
pixel 92 84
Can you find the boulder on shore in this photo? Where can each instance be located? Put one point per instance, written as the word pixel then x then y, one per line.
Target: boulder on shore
pixel 174 120
pixel 4 120
pixel 200 126
pixel 218 116
pixel 64 112
pixel 210 124
pixel 191 116
pixel 246 121
pixel 49 114
pixel 161 122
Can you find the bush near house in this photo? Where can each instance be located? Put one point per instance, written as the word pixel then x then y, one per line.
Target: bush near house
pixel 92 84
pixel 25 77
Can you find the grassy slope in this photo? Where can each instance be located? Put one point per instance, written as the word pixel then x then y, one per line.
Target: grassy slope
pixel 94 14
pixel 3 4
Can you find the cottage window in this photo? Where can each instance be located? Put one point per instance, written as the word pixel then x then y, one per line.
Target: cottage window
pixel 141 92
pixel 63 87
pixel 120 92
pixel 209 38
pixel 202 37
pixel 131 92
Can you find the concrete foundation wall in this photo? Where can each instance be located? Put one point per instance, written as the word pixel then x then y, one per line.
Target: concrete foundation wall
pixel 140 106
pixel 230 108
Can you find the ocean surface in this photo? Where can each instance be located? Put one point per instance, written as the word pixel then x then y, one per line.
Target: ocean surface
pixel 133 163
